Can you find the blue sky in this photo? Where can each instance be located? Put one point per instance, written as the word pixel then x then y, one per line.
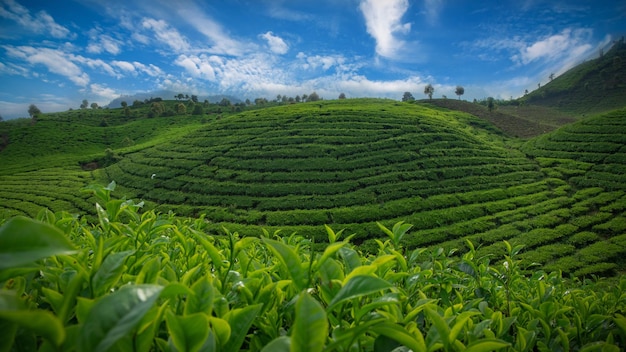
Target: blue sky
pixel 57 53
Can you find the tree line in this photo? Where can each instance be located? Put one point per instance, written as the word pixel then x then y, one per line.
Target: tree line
pixel 429 90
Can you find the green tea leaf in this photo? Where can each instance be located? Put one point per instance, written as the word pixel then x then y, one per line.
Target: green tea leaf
pixel 202 299
pixel 399 334
pixel 23 241
pixel 290 260
pixel 460 322
pixel 13 313
pixel 114 316
pixel 487 345
pixel 221 329
pixel 240 321
pixel 440 325
pixel 279 344
pixel 358 286
pixel 109 272
pixel 188 332
pixel 310 329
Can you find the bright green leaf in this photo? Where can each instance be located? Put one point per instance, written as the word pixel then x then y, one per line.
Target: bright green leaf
pixel 109 272
pixel 440 325
pixel 114 316
pixel 188 332
pixel 290 260
pixel 23 241
pixel 221 329
pixel 279 344
pixel 202 298
pixel 310 328
pixel 487 345
pixel 399 334
pixel 359 286
pixel 240 321
pixel 460 322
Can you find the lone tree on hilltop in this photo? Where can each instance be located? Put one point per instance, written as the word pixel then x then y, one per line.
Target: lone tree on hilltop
pixel 459 91
pixel 94 106
pixel 33 110
pixel 429 90
pixel 85 104
pixel 313 97
pixel 342 96
pixel 407 96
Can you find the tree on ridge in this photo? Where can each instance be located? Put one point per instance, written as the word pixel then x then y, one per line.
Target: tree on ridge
pixel 459 91
pixel 429 90
pixel 33 110
pixel 407 96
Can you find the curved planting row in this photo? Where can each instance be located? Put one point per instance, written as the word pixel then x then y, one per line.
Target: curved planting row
pixel 589 153
pixel 27 193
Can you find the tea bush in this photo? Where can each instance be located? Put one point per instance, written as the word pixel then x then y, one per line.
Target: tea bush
pixel 138 280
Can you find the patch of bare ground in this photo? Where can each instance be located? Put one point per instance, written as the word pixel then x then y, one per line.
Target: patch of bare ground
pixel 521 122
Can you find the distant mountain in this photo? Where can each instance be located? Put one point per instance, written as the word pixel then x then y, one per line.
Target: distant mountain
pixel 594 86
pixel 168 95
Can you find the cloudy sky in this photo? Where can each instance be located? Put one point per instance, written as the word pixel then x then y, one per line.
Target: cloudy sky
pixel 56 53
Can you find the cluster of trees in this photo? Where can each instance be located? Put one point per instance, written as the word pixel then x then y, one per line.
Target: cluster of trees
pixel 284 99
pixel 429 90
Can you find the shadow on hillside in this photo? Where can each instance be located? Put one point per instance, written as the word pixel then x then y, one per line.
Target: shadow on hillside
pixel 525 123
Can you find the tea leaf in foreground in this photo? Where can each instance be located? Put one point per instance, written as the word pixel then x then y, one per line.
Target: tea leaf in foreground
pixel 188 332
pixel 13 314
pixel 360 285
pixel 279 344
pixel 24 241
pixel 115 315
pixel 240 321
pixel 290 261
pixel 310 329
pixel 109 272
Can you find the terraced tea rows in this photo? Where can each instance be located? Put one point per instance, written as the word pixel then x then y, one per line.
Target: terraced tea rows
pixel 350 164
pixel 58 189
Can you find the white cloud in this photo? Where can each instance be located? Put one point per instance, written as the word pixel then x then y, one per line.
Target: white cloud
pixel 277 44
pixel 54 60
pixel 103 94
pixel 103 43
pixel 166 34
pixel 324 62
pixel 570 42
pixel 95 64
pixel 124 66
pixel 222 42
pixel 150 70
pixel 41 23
pixel 198 66
pixel 383 19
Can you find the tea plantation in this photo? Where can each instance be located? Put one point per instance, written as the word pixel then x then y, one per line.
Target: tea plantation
pixel 348 164
pixel 345 225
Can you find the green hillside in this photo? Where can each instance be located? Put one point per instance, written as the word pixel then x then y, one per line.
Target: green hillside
pixel 597 85
pixel 348 164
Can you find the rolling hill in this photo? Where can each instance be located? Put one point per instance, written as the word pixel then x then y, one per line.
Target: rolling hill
pixel 594 86
pixel 347 164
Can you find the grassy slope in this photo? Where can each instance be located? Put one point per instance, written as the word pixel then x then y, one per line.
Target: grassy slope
pixel 41 165
pixel 349 164
pixel 595 86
